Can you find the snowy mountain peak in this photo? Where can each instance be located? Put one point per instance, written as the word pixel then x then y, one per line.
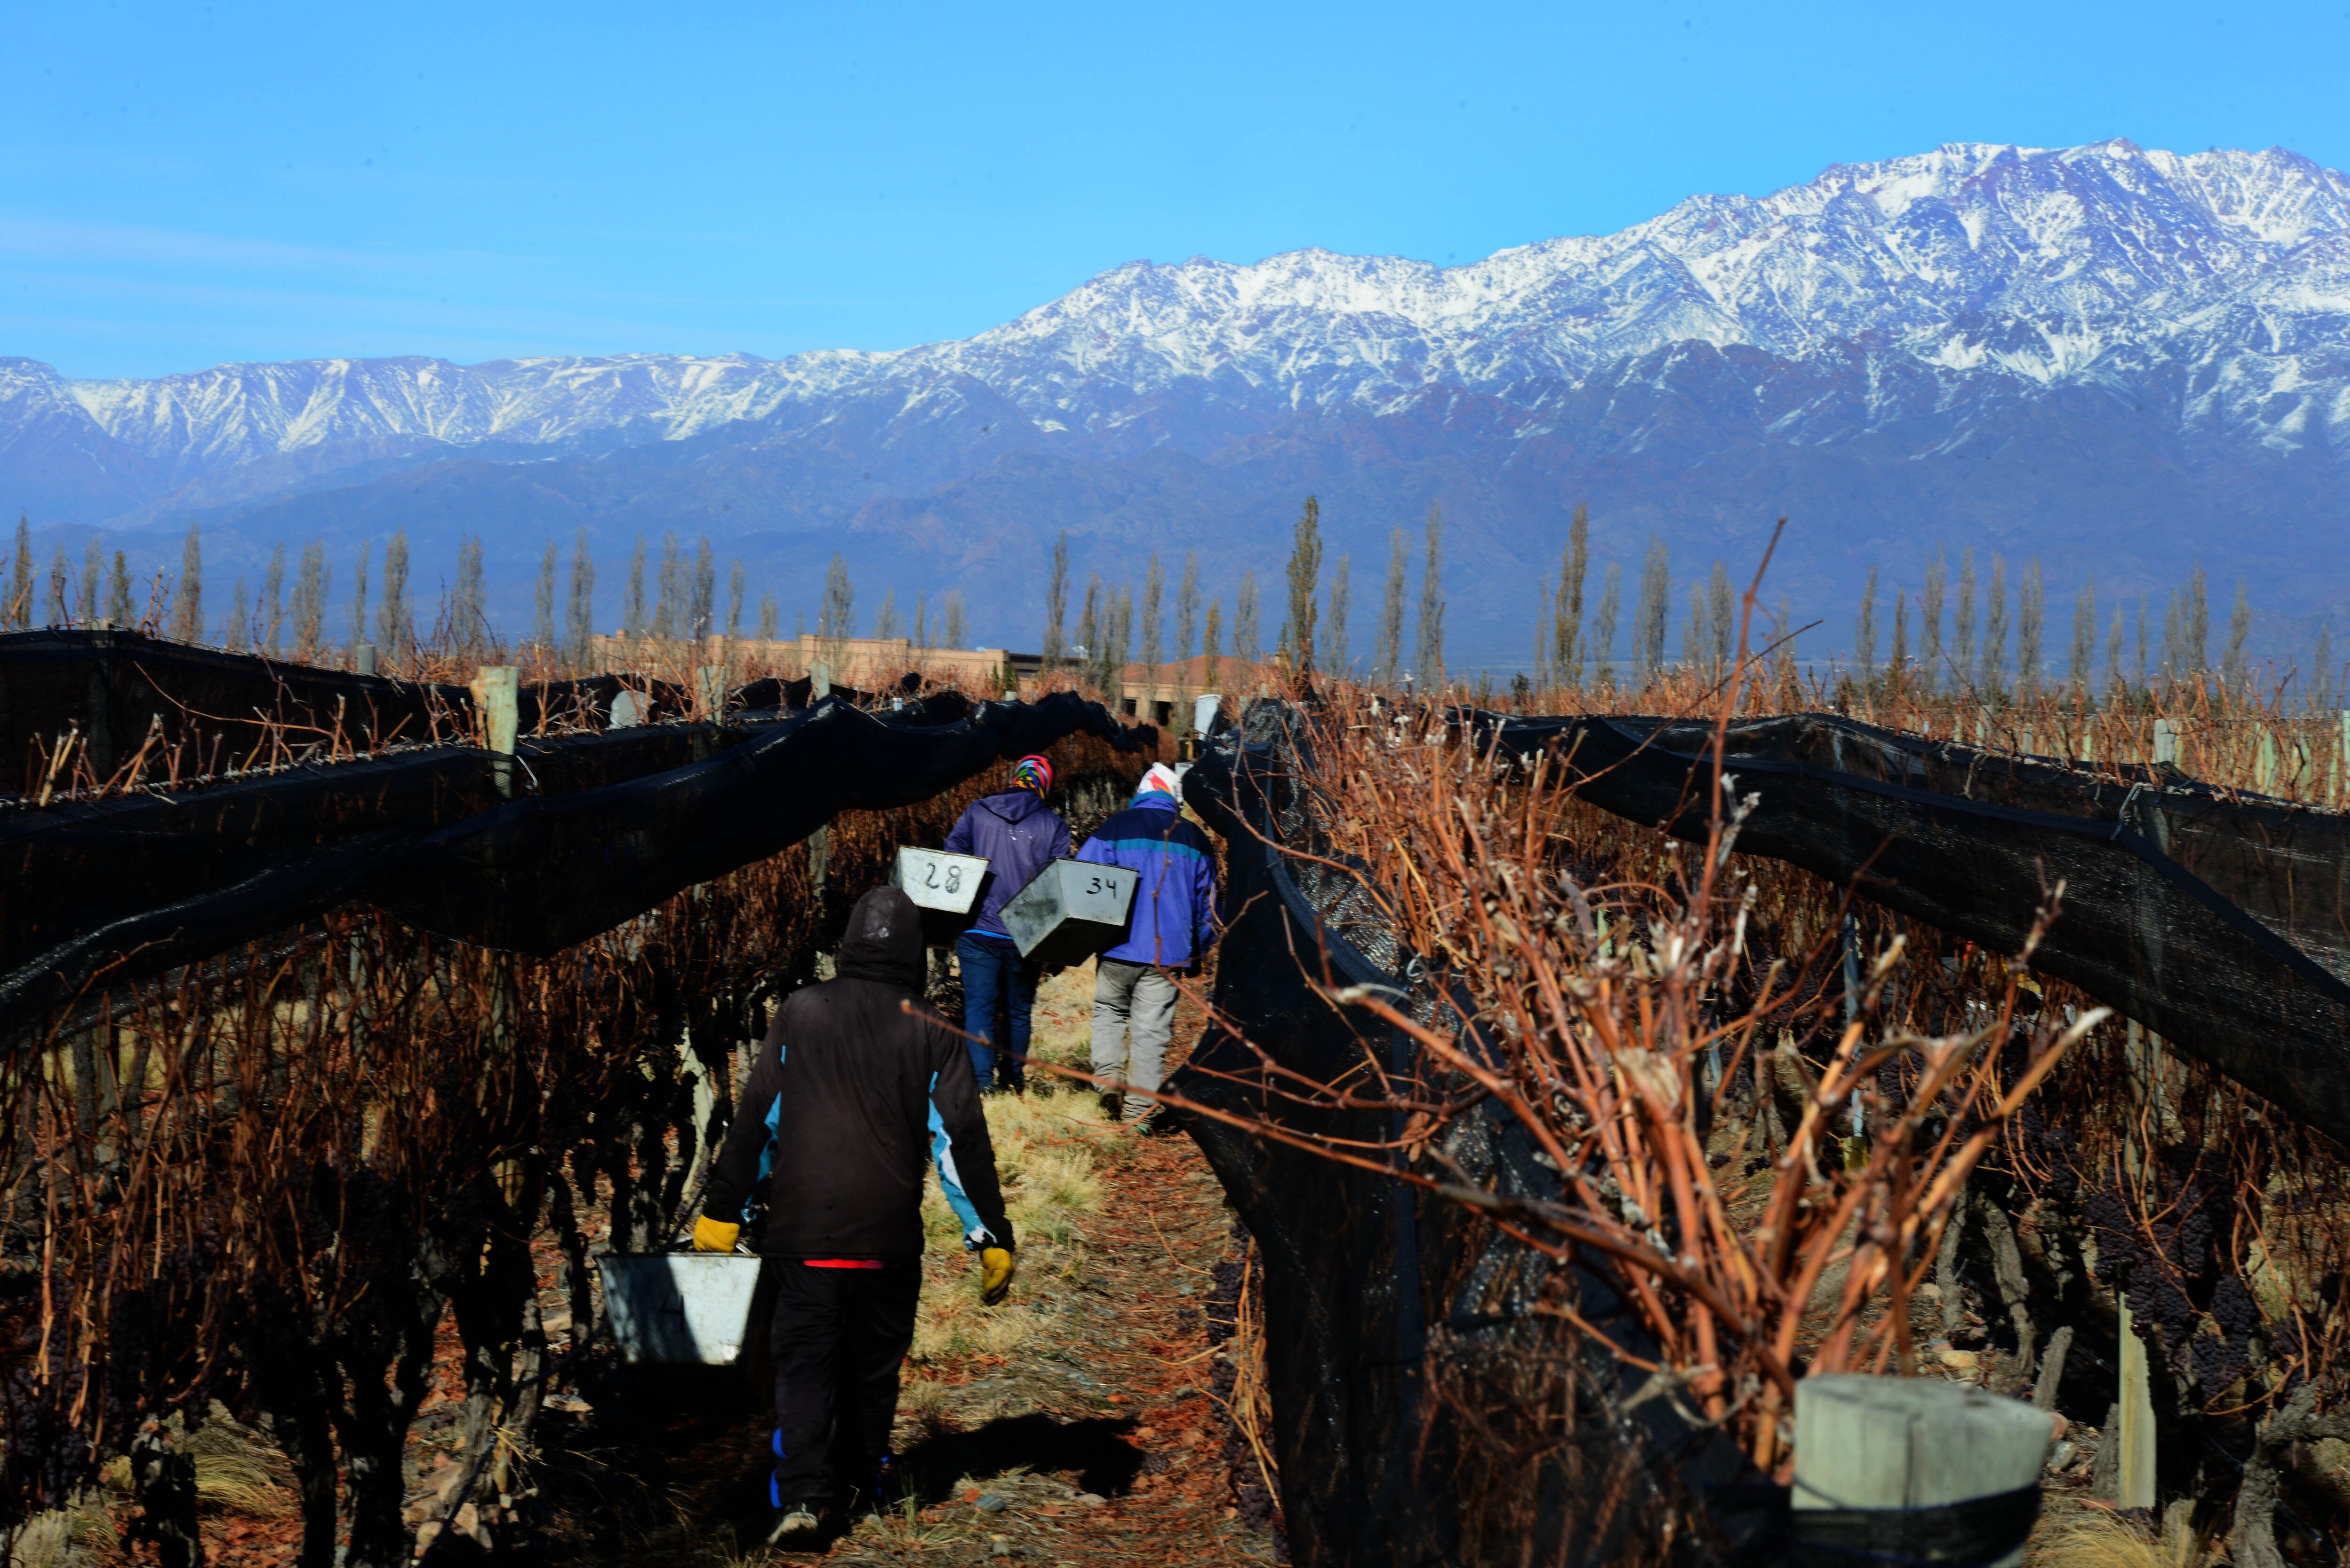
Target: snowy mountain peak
pixel 2033 268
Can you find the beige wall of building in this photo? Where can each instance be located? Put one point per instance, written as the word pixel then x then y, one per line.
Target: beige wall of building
pixel 866 663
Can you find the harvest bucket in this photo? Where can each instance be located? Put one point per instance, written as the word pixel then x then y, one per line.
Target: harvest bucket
pixel 689 1309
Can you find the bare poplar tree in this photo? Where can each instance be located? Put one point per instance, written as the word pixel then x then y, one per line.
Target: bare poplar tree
pixel 1897 664
pixel 1721 606
pixel 1431 604
pixel 273 601
pixel 393 616
pixel 580 611
pixel 1245 635
pixel 468 608
pixel 1566 612
pixel 541 618
pixel 1962 622
pixel 1993 669
pixel 118 593
pixel 1154 586
pixel 2031 620
pixel 738 583
pixel 1864 633
pixel 2116 680
pixel 1305 578
pixel 1334 623
pixel 187 604
pixel 310 583
pixel 2085 638
pixel 957 633
pixel 2144 678
pixel 1930 619
pixel 2232 668
pixel 360 595
pixel 61 575
pixel 837 621
pixel 93 572
pixel 1187 607
pixel 702 601
pixel 1388 652
pixel 668 605
pixel 1212 646
pixel 1696 638
pixel 1602 640
pixel 2321 686
pixel 885 617
pixel 770 623
pixel 1649 628
pixel 20 607
pixel 1546 634
pixel 1057 597
pixel 239 617
pixel 2198 623
pixel 632 607
pixel 1088 643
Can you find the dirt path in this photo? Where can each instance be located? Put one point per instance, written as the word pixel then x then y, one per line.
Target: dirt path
pixel 1077 1427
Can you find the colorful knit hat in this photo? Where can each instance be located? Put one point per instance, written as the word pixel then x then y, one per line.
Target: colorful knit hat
pixel 1161 780
pixel 1033 773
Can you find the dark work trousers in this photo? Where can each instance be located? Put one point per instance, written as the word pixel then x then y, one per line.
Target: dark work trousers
pixel 996 982
pixel 838 1338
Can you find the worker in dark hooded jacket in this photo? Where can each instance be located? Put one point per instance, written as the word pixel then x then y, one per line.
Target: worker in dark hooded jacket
pixel 1018 836
pixel 856 1087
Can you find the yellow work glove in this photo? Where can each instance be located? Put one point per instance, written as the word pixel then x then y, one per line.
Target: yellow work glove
pixel 714 1235
pixel 994 1273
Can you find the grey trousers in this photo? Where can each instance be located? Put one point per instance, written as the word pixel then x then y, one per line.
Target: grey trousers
pixel 1134 1018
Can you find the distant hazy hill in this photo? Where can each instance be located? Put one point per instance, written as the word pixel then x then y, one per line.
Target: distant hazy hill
pixel 2119 359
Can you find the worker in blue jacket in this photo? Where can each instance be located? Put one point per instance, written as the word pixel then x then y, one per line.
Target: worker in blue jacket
pixel 1018 836
pixel 1172 925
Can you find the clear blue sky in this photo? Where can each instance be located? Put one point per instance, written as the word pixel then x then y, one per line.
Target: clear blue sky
pixel 185 184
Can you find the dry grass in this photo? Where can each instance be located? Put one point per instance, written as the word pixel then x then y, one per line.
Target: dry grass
pixel 2104 1540
pixel 1048 1150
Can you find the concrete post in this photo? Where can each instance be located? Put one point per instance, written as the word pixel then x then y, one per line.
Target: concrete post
pixel 363 658
pixel 710 691
pixel 2166 742
pixel 2135 1477
pixel 1864 1444
pixel 497 689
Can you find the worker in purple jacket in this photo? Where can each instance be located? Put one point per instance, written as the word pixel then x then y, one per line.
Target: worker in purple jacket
pixel 1173 923
pixel 1018 836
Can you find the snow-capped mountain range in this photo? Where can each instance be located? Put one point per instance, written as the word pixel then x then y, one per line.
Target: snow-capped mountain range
pixel 2077 352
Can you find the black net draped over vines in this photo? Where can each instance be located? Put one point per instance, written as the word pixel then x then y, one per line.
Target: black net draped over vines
pixel 1417 1398
pixel 2219 919
pixel 528 852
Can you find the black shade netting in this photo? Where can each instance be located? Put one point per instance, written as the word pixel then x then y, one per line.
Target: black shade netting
pixel 530 853
pixel 1392 1315
pixel 2219 919
pixel 112 690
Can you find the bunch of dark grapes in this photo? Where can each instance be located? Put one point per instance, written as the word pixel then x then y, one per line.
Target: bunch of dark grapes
pixel 1256 1506
pixel 1224 1305
pixel 2221 1359
pixel 47 1459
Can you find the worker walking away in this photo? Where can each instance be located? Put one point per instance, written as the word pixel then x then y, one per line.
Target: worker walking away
pixel 1017 835
pixel 857 1085
pixel 1172 924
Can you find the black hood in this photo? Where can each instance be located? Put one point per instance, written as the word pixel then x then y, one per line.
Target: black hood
pixel 884 940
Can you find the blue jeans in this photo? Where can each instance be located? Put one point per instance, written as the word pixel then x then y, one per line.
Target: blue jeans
pixel 996 981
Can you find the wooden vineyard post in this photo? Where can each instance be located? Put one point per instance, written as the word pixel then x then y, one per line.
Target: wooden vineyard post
pixel 820 842
pixel 1889 1469
pixel 2134 1476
